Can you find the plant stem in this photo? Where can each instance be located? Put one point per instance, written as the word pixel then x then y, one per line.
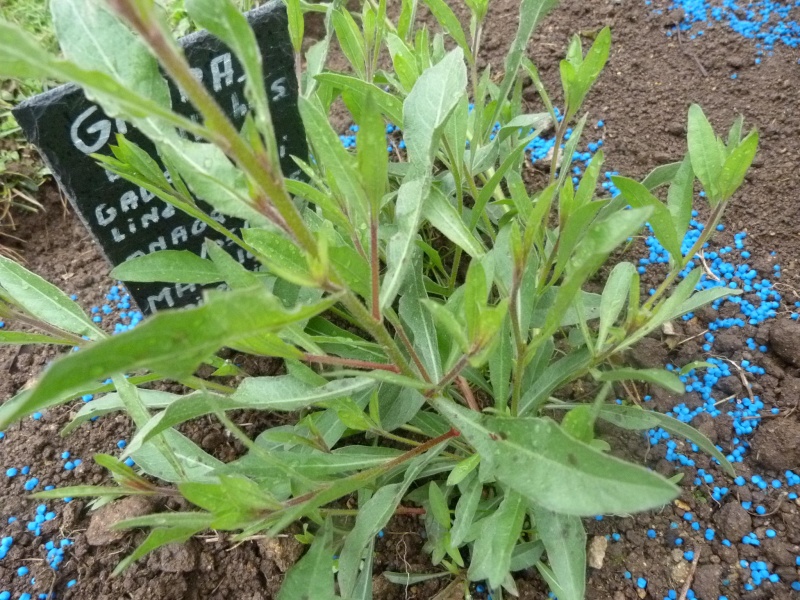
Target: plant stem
pixel 256 449
pixel 681 264
pixel 467 392
pixel 560 131
pixel 449 376
pixel 346 512
pixel 375 471
pixel 201 384
pixel 401 333
pixel 378 331
pixel 51 330
pixel 348 362
pixel 259 168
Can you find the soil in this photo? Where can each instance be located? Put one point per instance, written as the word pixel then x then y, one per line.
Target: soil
pixel 643 98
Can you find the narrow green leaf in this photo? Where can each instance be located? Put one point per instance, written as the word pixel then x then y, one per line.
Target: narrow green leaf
pixel 534 457
pixel 43 300
pixel 280 255
pixel 680 197
pixel 350 40
pixel 419 321
pixel 736 165
pixel 412 578
pixel 463 469
pixel 564 539
pixel 615 294
pixel 530 13
pixel 156 539
pixel 637 419
pixel 405 24
pixel 373 161
pixel 466 507
pixel 735 133
pixel 223 19
pixel 526 555
pixel 661 175
pixel 339 165
pixel 430 102
pixel 405 65
pixel 438 505
pixel 500 365
pixel 286 393
pixel 706 152
pixel 441 213
pixel 449 22
pixel 173 343
pixel 372 517
pixel 296 24
pixel 588 71
pixel 170 266
pixel 660 377
pixel 234 274
pixel 166 519
pixel 661 219
pixel 498 534
pixel 22 338
pixel 390 105
pixel 89 491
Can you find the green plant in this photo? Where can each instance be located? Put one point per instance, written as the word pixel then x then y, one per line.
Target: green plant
pixel 416 378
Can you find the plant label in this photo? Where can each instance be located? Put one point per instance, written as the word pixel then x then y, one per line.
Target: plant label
pixel 127 220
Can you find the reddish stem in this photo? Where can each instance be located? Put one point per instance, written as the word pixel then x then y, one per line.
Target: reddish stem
pixel 348 362
pixel 468 395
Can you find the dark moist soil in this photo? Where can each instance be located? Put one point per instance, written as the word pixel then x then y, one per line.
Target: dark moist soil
pixel 643 97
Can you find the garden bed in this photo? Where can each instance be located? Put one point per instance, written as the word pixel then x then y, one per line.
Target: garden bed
pixel 641 98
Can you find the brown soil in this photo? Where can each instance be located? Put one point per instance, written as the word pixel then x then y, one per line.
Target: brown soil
pixel 643 97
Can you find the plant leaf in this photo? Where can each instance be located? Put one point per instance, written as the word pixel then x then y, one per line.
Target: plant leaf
pixel 391 106
pixel 443 216
pixel 615 294
pixel 173 343
pixel 223 19
pixel 43 300
pixel 157 538
pixel 449 22
pixel 736 165
pixel 564 539
pixel 661 219
pixel 637 419
pixel 430 102
pixel 530 13
pixel 660 377
pixel 537 459
pixel 497 536
pixel 680 196
pixel 22 338
pixel 706 152
pixel 372 517
pixel 170 266
pixel 419 321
